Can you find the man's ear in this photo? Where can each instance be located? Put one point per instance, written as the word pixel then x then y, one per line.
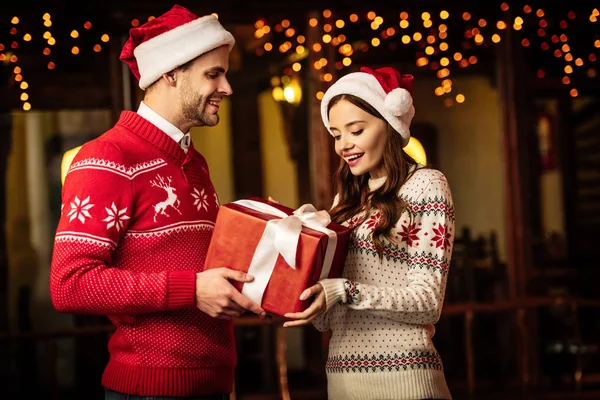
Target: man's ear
pixel 170 78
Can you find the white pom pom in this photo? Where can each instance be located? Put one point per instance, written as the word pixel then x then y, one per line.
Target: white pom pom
pixel 398 101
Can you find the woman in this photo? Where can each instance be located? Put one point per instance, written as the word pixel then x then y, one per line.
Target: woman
pixel 383 310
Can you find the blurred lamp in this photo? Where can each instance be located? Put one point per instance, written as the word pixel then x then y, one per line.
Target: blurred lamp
pixel 66 162
pixel 415 149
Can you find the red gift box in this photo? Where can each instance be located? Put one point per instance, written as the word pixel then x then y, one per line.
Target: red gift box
pixel 235 245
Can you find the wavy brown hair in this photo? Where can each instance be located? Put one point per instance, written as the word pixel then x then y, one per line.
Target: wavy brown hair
pixel 353 191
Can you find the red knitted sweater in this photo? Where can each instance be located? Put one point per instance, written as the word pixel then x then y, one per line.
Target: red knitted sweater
pixel 137 217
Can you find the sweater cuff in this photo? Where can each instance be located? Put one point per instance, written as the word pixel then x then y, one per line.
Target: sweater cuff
pixel 334 291
pixel 181 289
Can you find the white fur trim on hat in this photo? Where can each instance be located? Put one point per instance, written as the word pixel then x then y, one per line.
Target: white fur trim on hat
pixel 169 50
pixel 396 106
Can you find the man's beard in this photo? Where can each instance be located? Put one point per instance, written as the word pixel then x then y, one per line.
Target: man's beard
pixel 193 108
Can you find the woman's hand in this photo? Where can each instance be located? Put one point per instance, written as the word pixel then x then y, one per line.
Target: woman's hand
pixel 318 307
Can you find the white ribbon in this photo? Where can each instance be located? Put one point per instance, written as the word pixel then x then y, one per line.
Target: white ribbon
pixel 281 236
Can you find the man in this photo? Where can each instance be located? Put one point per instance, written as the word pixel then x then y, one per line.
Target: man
pixel 138 210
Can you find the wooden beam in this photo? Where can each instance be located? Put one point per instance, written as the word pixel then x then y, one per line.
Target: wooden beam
pixel 245 127
pixel 514 92
pixel 322 158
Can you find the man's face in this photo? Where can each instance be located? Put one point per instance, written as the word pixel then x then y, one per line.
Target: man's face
pixel 203 86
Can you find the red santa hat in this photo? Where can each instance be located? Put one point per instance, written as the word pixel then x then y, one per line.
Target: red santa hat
pixel 171 40
pixel 388 91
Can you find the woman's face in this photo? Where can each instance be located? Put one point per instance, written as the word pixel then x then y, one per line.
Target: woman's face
pixel 360 138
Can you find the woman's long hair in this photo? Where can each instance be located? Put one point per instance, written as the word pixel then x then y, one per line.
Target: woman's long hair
pixel 353 191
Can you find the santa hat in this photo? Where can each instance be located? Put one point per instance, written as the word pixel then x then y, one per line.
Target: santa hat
pixel 171 40
pixel 385 89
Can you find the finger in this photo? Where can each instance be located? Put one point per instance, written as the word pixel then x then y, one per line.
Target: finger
pixel 273 200
pixel 233 311
pixel 248 304
pixel 237 275
pixel 306 294
pixel 300 322
pixel 306 314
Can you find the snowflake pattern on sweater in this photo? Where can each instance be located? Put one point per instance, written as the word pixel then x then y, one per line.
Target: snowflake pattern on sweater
pixel 383 310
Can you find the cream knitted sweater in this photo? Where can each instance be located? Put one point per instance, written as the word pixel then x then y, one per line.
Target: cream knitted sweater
pixel 381 313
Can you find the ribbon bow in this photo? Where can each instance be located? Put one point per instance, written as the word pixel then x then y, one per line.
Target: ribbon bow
pixel 281 236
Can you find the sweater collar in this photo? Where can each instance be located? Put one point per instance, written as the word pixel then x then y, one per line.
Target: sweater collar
pixel 152 134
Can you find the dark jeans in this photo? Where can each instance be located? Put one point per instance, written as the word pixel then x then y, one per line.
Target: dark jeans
pixel 110 395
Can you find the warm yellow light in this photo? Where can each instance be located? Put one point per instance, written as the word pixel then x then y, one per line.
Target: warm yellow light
pixel 496 38
pixel 74 34
pixel 375 42
pixel 26 106
pixel 46 17
pixel 460 98
pixel 439 91
pixel 313 22
pixel 292 92
pixel 427 24
pixel 443 46
pixel 14 20
pixel 296 66
pixel 371 15
pixel 347 61
pixel 444 62
pixel 425 16
pixel 326 38
pixel 501 25
pixel 27 37
pixel 568 69
pixel 24 96
pixel 320 95
pixel 340 23
pixel 48 23
pixel 51 41
pixel 519 21
pixel 215 15
pixel 405 39
pixel 277 93
pixel 579 62
pixel 404 24
pixel 66 161
pixel 24 85
pixel 17 70
pixel 415 150
pixel 444 14
pixel 105 38
pixel 429 50
pixel 417 36
pixel 47 35
pixel 75 50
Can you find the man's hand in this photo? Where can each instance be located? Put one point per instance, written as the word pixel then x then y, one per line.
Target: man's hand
pixel 217 297
pixel 318 307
